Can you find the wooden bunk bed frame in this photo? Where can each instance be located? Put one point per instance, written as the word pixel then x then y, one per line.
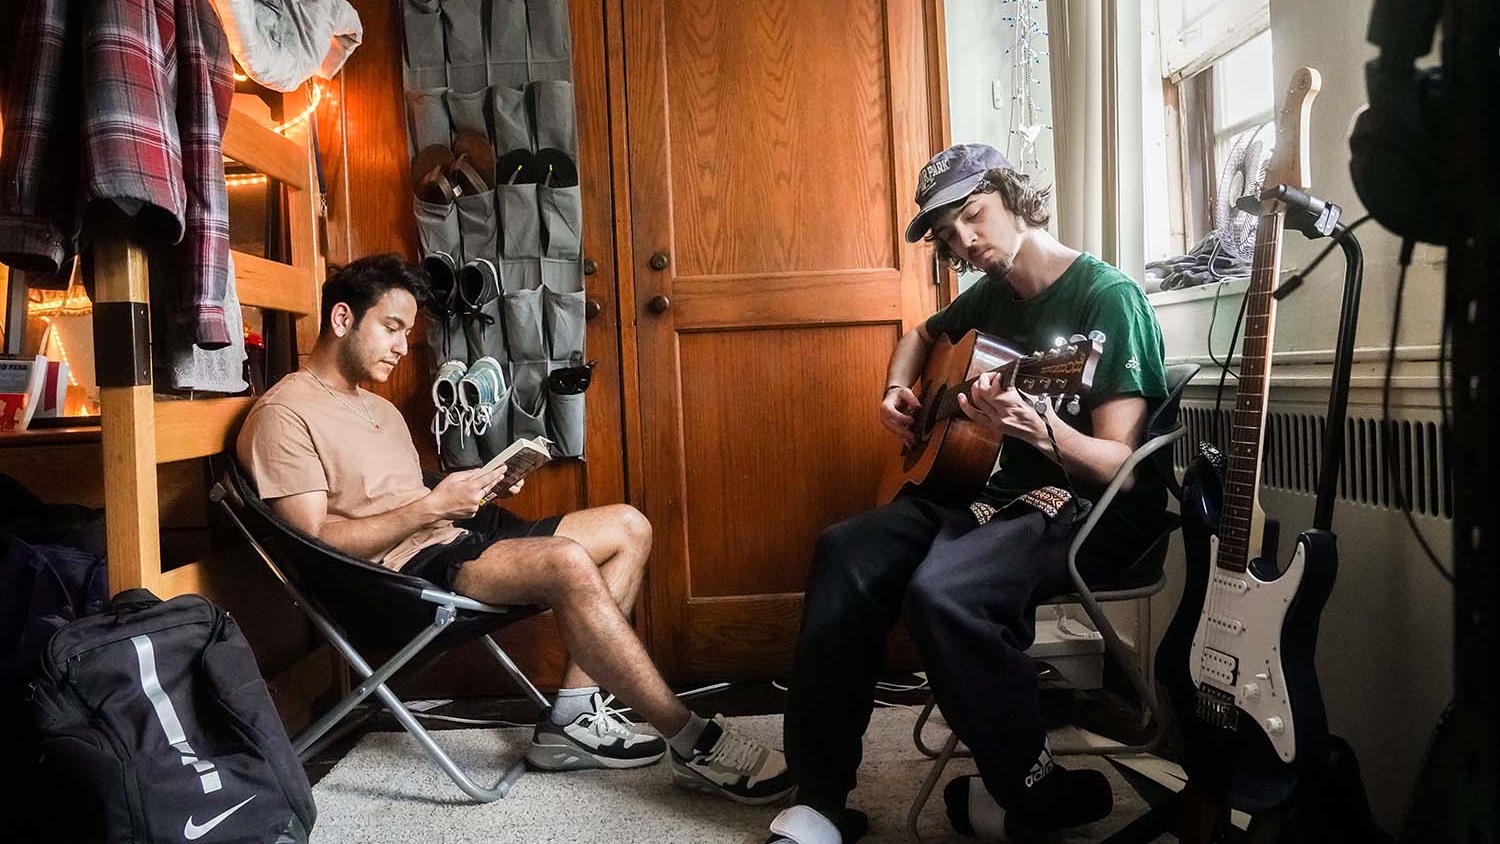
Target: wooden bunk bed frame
pixel 138 432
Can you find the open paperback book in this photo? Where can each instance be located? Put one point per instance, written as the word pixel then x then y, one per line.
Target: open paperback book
pixel 521 458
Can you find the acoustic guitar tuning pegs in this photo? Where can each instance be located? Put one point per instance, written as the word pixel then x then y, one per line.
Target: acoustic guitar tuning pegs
pixel 1097 336
pixel 1074 406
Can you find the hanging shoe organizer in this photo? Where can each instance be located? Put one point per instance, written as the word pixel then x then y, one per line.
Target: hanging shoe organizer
pixel 494 148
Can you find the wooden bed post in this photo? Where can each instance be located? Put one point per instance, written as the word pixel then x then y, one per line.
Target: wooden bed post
pixel 126 408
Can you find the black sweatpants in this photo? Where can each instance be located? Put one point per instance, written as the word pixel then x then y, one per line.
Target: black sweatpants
pixel 969 593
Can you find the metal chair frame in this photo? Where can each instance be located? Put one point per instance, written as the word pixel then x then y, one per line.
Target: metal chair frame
pixel 447 608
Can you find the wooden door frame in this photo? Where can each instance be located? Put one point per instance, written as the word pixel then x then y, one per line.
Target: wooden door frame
pixel 931 88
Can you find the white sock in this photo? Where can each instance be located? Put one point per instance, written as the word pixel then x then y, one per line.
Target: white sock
pixel 687 738
pixel 571 703
pixel 985 815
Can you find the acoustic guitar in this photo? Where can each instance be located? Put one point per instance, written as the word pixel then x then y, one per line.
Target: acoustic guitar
pixel 953 456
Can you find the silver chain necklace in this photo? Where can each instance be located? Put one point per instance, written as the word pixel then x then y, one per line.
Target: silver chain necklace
pixel 336 397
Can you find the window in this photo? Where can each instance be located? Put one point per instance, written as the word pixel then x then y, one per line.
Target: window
pixel 1231 100
pixel 1219 100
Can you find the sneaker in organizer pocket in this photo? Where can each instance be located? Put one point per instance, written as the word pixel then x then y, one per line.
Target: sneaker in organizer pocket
pixel 450 424
pixel 479 290
pixel 485 397
pixel 444 309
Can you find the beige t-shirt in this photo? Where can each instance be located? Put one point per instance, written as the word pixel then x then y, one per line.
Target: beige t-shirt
pixel 300 438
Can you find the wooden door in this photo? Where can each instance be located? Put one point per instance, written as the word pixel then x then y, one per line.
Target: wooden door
pixel 773 149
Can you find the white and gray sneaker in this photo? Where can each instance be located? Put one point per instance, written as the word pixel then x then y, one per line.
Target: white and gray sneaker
pixel 599 738
pixel 731 765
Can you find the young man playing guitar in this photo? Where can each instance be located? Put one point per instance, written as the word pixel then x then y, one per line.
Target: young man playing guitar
pixel 969 571
pixel 337 463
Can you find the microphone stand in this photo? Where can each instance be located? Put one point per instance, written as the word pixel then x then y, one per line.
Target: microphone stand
pixel 1316 219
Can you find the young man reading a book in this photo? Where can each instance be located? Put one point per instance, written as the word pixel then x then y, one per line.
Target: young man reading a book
pixel 338 463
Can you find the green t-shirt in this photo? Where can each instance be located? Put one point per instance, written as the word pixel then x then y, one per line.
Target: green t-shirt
pixel 1090 295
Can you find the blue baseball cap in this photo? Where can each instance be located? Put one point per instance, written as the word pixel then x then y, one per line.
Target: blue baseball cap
pixel 949 177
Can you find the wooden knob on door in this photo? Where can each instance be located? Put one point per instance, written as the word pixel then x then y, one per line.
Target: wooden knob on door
pixel 591 308
pixel 590 266
pixel 659 261
pixel 658 304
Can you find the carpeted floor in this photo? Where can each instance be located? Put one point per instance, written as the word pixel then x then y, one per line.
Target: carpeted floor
pixel 387 790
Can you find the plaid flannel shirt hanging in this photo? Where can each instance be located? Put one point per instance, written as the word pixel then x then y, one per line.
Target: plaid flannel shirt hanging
pixel 123 101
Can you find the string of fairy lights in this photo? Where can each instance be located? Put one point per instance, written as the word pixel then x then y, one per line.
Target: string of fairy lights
pixel 1028 117
pixel 240 179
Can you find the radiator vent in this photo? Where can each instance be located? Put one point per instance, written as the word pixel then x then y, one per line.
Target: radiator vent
pixel 1294 451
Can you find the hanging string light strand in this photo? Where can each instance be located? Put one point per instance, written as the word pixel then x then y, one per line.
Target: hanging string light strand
pixel 1027 117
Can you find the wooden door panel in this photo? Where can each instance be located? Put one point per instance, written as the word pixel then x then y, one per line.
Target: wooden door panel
pixel 752 165
pixel 762 484
pixel 789 298
pixel 772 166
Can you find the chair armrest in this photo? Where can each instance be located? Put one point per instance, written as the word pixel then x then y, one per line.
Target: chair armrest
pixel 1127 469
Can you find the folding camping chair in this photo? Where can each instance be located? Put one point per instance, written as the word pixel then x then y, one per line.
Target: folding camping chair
pixel 351 600
pixel 1144 577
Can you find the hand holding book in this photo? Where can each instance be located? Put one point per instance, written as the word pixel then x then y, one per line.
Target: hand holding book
pixel 520 458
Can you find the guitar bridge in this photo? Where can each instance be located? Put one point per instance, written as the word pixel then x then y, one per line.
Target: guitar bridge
pixel 1217 708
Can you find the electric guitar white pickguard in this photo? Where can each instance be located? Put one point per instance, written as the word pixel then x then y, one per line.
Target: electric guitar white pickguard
pixel 1235 660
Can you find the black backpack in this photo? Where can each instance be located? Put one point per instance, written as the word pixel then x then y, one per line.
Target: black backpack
pixel 155 726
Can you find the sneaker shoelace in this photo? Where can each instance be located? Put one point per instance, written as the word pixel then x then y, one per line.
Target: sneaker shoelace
pixel 608 721
pixel 737 753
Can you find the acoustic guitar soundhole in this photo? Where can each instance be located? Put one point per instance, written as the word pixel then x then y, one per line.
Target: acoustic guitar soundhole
pixel 928 418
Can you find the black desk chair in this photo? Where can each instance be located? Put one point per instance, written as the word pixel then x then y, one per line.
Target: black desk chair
pixel 351 600
pixel 1143 578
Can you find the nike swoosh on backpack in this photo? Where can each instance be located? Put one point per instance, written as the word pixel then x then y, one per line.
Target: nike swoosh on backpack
pixel 193 831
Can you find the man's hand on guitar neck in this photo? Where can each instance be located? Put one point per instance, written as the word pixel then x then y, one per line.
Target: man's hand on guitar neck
pixel 1005 411
pixel 896 413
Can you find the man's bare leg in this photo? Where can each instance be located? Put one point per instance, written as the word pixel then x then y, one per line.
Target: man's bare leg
pixel 617 538
pixel 561 573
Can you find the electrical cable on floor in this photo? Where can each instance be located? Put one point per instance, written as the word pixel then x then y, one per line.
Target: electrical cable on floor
pixel 701 690
pixel 883 686
pixel 471 722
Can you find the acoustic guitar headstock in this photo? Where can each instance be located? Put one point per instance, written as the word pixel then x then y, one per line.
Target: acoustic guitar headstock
pixel 1062 370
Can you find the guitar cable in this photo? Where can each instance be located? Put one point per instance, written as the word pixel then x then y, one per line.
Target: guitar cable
pixel 1392 478
pixel 1292 283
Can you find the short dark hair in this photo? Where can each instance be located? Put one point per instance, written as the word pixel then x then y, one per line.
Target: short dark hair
pixel 360 284
pixel 1020 198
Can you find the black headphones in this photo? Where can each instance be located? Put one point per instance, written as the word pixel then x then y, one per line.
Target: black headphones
pixel 1399 157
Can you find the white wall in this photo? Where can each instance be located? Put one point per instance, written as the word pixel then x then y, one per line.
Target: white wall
pixel 1330 35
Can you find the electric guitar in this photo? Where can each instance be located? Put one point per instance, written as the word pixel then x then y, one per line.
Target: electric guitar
pixel 1237 659
pixel 953 456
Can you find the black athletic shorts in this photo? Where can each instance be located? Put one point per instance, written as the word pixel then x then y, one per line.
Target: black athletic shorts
pixel 440 563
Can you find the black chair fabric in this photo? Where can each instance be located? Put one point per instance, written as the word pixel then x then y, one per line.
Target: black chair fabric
pixel 375 606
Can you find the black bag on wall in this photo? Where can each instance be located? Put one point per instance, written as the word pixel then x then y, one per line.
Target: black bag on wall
pixel 156 726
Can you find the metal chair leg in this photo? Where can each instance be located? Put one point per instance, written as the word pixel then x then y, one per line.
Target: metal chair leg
pixel 925 792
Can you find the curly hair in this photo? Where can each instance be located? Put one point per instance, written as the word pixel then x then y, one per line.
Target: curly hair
pixel 360 284
pixel 1020 198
